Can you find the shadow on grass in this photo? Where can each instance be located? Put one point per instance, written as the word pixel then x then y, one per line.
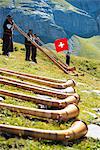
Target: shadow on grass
pixel 46 142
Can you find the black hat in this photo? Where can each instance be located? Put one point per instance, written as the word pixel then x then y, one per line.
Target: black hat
pixel 9 16
pixel 30 30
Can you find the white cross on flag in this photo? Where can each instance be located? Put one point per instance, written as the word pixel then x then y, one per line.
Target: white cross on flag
pixel 61 44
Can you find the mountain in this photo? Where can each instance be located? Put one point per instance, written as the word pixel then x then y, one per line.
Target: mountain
pixel 52 19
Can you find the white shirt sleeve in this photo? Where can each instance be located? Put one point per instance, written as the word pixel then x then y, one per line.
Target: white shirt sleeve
pixel 29 37
pixel 33 39
pixel 9 26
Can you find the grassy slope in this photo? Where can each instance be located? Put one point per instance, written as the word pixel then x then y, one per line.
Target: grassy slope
pixel 46 68
pixel 90 47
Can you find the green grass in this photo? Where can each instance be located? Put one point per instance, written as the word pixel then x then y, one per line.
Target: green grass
pixel 64 4
pixel 90 47
pixel 89 81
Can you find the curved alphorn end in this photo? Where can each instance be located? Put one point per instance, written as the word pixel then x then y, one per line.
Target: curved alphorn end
pixel 78 130
pixel 69 83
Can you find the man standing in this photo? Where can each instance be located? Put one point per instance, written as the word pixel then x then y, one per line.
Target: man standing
pixel 30 48
pixel 8 27
pixel 70 50
pixel 68 58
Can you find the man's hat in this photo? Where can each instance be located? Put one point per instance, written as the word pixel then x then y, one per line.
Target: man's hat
pixel 9 16
pixel 30 30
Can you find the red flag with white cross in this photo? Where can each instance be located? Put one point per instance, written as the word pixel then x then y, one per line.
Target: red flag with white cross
pixel 61 44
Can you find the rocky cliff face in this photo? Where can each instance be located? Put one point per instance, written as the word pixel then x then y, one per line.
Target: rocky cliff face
pixel 90 6
pixel 52 19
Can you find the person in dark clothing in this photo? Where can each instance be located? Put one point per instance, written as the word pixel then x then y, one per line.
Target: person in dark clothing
pixel 31 50
pixel 8 27
pixel 68 58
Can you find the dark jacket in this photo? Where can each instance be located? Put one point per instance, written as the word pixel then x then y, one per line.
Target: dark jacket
pixel 6 29
pixel 28 43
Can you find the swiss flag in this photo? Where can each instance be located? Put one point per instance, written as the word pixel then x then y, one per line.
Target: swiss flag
pixel 61 44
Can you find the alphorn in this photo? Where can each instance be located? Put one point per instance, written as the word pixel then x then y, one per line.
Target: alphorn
pixel 50 56
pixel 35 89
pixel 37 100
pixel 67 90
pixel 76 131
pixel 70 111
pixel 35 76
pixel 43 82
